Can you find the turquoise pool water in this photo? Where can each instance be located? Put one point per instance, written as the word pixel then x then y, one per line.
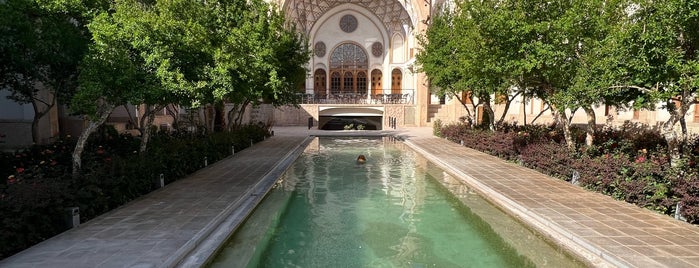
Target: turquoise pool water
pixel 396 210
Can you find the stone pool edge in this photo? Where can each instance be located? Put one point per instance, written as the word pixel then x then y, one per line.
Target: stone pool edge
pixel 586 252
pixel 202 249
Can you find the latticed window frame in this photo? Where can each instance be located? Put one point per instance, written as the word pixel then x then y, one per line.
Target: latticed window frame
pixel 349 56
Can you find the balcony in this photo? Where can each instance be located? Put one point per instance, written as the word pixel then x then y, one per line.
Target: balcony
pixel 356 98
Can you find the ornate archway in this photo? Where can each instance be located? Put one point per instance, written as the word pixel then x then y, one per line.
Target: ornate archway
pixel 348 69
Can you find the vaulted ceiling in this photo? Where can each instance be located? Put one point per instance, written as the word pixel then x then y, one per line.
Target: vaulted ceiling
pixel 393 13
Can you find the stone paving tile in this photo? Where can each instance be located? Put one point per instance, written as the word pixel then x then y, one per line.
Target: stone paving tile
pixel 148 231
pixel 606 231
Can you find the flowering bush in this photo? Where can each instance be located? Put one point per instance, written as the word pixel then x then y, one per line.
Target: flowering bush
pixel 629 163
pixel 38 184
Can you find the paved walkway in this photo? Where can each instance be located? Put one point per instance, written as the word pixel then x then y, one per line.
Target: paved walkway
pixel 182 224
pixel 604 231
pixel 176 225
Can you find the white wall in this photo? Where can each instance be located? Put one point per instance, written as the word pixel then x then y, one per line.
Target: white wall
pixel 369 30
pixel 11 111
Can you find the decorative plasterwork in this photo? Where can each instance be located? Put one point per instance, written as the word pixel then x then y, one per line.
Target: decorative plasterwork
pixel 348 23
pixel 377 49
pixel 319 49
pixel 305 13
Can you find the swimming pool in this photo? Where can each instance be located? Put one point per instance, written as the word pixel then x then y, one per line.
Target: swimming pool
pixel 395 210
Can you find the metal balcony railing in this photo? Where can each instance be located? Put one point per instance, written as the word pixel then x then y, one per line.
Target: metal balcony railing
pixel 406 97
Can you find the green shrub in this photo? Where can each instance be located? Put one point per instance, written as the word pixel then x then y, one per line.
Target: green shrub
pixel 39 185
pixel 629 163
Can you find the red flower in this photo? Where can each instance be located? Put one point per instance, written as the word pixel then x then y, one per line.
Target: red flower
pixel 107 159
pixel 641 159
pixel 53 162
pixel 20 169
pixel 11 179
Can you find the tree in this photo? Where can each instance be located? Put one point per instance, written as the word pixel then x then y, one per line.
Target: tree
pixel 219 52
pixel 589 27
pixel 40 50
pixel 454 65
pixel 147 32
pixel 112 73
pixel 261 61
pixel 549 51
pixel 661 40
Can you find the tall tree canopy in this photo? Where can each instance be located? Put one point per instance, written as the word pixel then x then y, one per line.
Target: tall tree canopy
pixel 661 41
pixel 40 49
pixel 191 53
pixel 112 73
pixel 571 54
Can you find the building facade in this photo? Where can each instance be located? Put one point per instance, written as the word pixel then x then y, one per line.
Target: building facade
pixel 362 72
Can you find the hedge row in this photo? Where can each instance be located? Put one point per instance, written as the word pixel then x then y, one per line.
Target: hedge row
pixel 39 186
pixel 629 163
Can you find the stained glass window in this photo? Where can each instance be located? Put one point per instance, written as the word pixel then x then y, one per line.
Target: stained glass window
pixel 349 56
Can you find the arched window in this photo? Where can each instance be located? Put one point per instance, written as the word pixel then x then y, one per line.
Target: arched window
pixel 320 80
pixel 335 82
pixel 348 60
pixel 376 77
pixel 348 85
pixel 361 82
pixel 396 81
pixel 349 56
pixel 397 49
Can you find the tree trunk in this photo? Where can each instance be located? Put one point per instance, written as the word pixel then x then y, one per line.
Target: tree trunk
pixel 491 115
pixel 508 103
pixel 241 113
pixel 103 114
pixel 683 124
pixel 132 119
pixel 524 104
pixel 672 139
pixel 231 117
pixel 219 115
pixel 208 118
pixel 35 126
pixel 562 119
pixel 591 125
pixel 469 115
pixel 175 113
pixel 235 115
pixel 147 128
pixel 540 114
pixel 38 114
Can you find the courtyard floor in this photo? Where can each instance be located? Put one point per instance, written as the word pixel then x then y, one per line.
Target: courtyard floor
pixel 181 224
